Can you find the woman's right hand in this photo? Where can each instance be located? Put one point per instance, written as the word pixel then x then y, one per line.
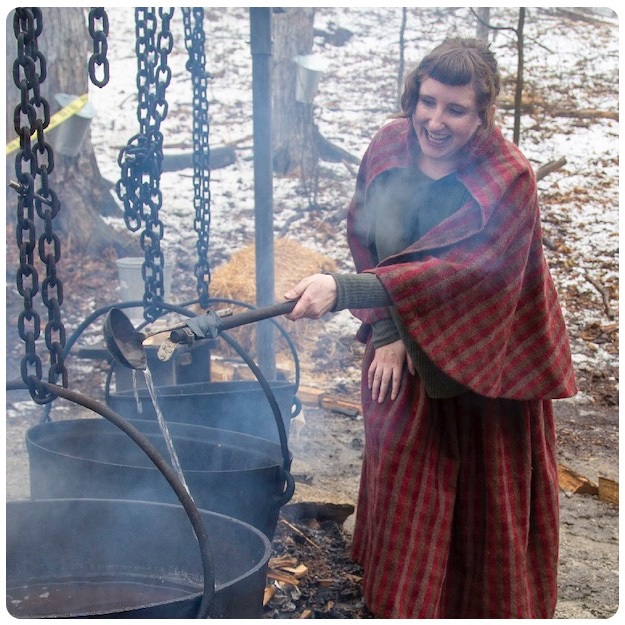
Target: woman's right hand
pixel 385 371
pixel 316 296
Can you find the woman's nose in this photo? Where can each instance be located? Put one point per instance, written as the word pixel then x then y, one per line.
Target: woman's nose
pixel 436 120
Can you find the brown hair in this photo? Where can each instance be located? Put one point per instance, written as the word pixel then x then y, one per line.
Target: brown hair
pixel 457 62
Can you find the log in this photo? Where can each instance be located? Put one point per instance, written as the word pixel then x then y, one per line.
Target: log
pixel 310 396
pixel 336 512
pixel 342 406
pixel 219 157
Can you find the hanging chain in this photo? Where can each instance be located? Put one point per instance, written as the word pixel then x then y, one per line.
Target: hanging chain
pixel 99 32
pixel 34 163
pixel 195 41
pixel 141 160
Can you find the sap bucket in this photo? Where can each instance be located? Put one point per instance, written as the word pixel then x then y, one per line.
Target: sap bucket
pixel 131 283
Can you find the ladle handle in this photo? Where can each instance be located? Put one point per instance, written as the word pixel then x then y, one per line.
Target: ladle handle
pixel 258 314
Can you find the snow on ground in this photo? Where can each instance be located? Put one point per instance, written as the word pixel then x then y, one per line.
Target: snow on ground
pixel 569 64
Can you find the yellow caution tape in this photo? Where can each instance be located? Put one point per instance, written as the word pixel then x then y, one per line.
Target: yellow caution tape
pixel 58 118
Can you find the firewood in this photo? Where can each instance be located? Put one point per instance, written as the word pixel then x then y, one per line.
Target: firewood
pixel 270 591
pixel 608 490
pixel 310 396
pixel 572 482
pixel 351 408
pixel 279 562
pixel 300 533
pixel 319 511
pixel 297 571
pixel 281 576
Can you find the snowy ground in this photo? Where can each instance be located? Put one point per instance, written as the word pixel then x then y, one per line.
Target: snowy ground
pixel 569 65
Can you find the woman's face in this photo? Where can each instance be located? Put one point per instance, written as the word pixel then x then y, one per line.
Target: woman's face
pixel 444 119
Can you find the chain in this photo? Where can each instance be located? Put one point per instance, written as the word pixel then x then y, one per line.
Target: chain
pixel 140 161
pixel 34 163
pixel 99 33
pixel 195 41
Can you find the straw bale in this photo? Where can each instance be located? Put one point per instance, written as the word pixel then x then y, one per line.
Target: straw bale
pixel 236 279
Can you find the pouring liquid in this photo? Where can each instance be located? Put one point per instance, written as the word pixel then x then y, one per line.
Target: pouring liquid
pixel 136 392
pixel 175 463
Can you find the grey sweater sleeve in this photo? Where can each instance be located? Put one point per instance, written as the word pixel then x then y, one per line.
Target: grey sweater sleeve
pixel 359 290
pixel 364 290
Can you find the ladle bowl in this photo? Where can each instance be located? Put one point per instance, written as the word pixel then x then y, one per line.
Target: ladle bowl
pixel 123 341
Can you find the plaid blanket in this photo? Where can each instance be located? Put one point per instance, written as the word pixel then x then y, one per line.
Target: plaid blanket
pixel 475 292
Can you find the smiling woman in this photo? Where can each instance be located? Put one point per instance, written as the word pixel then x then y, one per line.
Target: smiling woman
pixel 465 349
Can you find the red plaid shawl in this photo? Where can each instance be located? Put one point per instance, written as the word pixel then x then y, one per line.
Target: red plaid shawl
pixel 475 292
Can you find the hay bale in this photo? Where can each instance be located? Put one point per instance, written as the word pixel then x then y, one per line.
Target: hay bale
pixel 236 280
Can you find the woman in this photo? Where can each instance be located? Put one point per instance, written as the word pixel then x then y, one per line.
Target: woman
pixel 457 513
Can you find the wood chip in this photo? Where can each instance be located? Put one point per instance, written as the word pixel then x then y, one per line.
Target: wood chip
pixel 281 576
pixel 297 571
pixel 281 561
pixel 270 591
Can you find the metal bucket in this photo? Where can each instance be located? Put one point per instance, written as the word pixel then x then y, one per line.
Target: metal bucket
pixel 89 558
pixel 227 472
pixel 238 406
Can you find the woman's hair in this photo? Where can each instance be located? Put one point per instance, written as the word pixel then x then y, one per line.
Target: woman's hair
pixel 457 62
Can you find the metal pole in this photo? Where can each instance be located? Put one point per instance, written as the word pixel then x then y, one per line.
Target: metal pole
pixel 260 39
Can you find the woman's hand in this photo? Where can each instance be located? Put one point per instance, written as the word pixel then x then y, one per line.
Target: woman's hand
pixel 386 370
pixel 317 296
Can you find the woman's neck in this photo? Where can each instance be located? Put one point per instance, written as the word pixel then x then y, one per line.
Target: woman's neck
pixel 435 169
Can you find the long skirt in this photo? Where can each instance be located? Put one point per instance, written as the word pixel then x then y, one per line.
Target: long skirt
pixel 457 513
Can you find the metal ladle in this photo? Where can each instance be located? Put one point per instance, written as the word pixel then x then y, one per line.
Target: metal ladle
pixel 126 343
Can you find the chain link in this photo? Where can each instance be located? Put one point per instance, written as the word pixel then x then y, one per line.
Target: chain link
pixel 34 163
pixel 99 30
pixel 195 42
pixel 141 160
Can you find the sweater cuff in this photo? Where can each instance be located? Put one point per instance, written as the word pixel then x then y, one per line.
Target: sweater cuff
pixel 384 332
pixel 362 290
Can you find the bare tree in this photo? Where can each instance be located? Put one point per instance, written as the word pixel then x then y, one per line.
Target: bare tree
pixel 292 121
pixel 481 31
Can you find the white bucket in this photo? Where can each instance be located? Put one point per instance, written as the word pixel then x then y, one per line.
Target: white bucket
pixel 131 283
pixel 67 138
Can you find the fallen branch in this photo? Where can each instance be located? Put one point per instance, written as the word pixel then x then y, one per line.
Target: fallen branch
pixel 548 168
pixel 604 295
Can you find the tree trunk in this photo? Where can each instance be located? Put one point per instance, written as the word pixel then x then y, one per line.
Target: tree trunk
pixel 294 146
pixel 482 29
pixel 83 193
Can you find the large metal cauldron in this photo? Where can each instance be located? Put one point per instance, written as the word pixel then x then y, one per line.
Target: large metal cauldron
pixel 227 472
pixel 238 406
pixel 121 559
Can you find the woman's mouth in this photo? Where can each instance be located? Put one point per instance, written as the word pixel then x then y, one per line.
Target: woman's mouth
pixel 436 139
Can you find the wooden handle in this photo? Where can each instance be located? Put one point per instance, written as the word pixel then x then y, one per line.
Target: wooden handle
pixel 259 314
